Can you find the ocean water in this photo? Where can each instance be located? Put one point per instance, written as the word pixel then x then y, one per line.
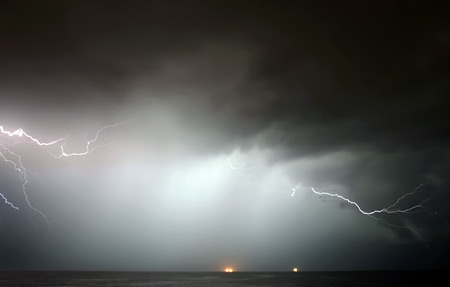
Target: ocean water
pixel 213 279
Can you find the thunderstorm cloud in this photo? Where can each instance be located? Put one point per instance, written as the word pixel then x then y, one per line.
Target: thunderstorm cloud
pixel 228 106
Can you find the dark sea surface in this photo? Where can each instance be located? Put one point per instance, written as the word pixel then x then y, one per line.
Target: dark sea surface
pixel 325 279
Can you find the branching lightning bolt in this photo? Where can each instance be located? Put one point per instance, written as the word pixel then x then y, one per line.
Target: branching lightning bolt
pixel 88 149
pixel 15 160
pixel 18 166
pixel 390 210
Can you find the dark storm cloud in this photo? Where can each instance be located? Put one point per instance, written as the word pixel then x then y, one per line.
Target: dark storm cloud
pixel 310 64
pixel 350 96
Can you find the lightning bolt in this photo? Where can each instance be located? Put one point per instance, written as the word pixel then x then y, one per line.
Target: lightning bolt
pixel 240 168
pixel 18 166
pixel 15 160
pixel 87 148
pixel 390 210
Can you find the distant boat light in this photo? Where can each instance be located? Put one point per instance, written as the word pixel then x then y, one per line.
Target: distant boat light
pixel 295 269
pixel 229 270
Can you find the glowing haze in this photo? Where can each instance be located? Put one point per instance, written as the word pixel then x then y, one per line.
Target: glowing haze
pixel 227 135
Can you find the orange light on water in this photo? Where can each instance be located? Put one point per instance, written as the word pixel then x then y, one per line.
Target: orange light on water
pixel 295 269
pixel 229 270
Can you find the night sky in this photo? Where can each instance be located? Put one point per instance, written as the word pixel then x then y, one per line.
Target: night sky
pixel 226 106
